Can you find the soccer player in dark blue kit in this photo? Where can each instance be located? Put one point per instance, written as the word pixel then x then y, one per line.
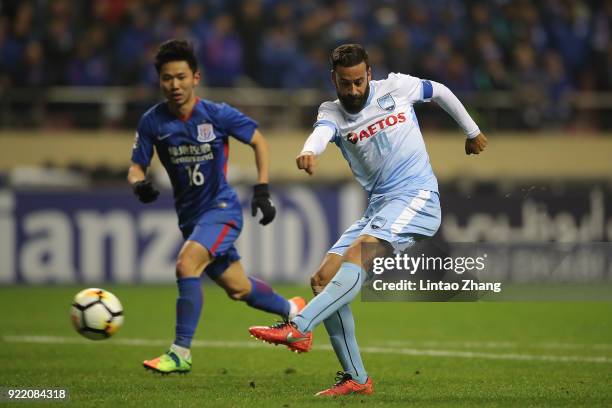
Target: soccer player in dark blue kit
pixel 191 138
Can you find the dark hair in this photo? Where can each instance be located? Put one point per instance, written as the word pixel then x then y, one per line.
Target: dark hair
pixel 176 50
pixel 349 55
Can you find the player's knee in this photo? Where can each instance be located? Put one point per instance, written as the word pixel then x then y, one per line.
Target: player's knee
pixel 185 268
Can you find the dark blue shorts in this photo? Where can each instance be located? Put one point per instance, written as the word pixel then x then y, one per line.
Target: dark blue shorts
pixel 217 230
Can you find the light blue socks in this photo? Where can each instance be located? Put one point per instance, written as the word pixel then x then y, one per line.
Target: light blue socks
pixel 341 329
pixel 331 306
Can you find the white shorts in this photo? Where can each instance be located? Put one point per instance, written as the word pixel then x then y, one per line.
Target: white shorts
pixel 399 220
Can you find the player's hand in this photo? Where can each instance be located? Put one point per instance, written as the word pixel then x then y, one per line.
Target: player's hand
pixel 261 200
pixel 476 144
pixel 306 161
pixel 145 191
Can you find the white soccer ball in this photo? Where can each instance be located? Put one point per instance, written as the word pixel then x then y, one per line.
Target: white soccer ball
pixel 96 313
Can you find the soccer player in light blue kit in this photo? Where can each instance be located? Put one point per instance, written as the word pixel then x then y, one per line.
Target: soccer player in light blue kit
pixel 191 138
pixel 374 125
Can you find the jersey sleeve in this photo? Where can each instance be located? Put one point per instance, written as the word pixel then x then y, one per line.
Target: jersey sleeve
pixel 236 123
pixel 453 106
pixel 318 140
pixel 415 89
pixel 142 150
pixel 327 116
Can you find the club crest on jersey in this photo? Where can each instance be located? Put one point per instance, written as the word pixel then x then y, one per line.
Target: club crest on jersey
pixel 386 102
pixel 206 133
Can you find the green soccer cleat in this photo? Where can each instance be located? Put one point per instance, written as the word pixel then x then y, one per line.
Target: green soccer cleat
pixel 167 363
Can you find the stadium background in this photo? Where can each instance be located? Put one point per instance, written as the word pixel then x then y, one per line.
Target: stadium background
pixel 75 76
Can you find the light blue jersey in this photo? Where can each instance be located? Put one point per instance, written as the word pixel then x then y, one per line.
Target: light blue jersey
pixel 383 143
pixel 384 147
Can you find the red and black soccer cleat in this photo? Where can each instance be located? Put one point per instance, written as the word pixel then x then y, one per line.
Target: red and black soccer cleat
pixel 284 333
pixel 345 385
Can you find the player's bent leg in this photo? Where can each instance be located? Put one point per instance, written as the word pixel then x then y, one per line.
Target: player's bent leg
pixel 191 261
pixel 299 342
pixel 342 289
pixel 256 292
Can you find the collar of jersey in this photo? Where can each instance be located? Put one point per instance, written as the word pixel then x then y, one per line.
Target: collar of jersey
pixel 186 118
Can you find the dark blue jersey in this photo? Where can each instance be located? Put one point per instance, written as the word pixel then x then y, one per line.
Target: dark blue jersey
pixel 194 152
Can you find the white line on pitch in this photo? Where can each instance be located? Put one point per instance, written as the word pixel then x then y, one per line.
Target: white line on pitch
pixel 367 349
pixel 494 344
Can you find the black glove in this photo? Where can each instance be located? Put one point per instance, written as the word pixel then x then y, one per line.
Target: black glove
pixel 145 191
pixel 261 200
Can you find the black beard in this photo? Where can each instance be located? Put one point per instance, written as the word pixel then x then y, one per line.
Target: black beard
pixel 355 105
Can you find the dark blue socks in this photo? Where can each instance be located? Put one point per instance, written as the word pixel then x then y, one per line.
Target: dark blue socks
pixel 264 298
pixel 188 309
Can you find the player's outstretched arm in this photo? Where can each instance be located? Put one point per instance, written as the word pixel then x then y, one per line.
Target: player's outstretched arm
pixel 261 192
pixel 143 188
pixel 314 146
pixel 476 141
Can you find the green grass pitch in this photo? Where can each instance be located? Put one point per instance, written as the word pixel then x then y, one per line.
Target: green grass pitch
pixel 418 354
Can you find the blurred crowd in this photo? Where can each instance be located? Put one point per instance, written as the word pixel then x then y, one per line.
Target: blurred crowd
pixel 544 49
